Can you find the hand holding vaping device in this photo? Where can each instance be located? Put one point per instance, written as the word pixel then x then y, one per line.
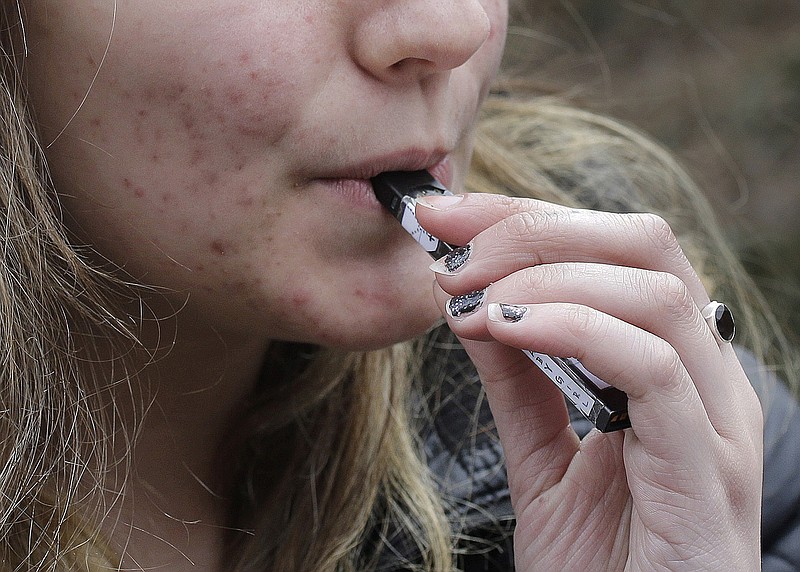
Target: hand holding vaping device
pixel 605 406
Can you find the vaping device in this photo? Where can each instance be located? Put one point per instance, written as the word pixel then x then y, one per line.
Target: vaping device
pixel 606 407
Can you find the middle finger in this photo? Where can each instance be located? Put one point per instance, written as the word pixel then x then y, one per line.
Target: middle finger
pixel 656 302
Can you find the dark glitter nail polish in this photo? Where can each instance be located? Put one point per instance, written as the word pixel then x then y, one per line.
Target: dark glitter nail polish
pixel 512 313
pixel 457 257
pixel 466 303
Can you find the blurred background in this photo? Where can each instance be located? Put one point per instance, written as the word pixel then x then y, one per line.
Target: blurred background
pixel 716 81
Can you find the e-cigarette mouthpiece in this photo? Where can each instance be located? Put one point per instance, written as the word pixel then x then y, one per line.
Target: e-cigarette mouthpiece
pixel 398 191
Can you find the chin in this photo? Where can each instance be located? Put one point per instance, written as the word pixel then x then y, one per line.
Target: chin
pixel 372 332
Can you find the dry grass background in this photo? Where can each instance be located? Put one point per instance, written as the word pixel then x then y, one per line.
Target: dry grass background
pixel 717 81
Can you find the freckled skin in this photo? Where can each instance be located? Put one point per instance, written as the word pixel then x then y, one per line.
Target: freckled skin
pixel 204 127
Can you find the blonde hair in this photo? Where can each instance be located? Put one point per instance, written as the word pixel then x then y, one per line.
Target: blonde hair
pixel 330 465
pixel 52 427
pixel 340 448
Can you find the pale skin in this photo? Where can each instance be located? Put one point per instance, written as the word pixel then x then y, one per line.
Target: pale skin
pixel 680 491
pixel 222 152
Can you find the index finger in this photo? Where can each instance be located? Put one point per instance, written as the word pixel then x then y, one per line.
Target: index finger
pixel 472 213
pixel 509 234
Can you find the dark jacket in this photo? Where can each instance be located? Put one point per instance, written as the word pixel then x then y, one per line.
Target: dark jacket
pixel 465 455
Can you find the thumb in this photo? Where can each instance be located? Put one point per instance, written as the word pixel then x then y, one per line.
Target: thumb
pixel 530 413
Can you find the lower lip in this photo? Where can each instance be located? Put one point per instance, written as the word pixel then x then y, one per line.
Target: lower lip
pixel 355 192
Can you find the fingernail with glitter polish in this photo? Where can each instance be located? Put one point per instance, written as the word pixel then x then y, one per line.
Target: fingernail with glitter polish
pixel 466 304
pixel 452 261
pixel 506 313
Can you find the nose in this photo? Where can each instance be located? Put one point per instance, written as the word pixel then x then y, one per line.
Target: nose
pixel 404 40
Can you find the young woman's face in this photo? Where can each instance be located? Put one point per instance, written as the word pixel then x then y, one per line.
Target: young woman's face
pixel 220 148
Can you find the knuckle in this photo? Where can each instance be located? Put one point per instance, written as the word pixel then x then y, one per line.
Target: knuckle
pixel 534 224
pixel 585 323
pixel 549 277
pixel 532 235
pixel 521 225
pixel 671 294
pixel 509 203
pixel 658 232
pixel 666 367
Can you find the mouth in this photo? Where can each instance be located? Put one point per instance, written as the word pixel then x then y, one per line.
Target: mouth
pixel 353 183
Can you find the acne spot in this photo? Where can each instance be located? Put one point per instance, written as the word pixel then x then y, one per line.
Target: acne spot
pixel 300 299
pixel 236 96
pixel 138 191
pixel 188 122
pixel 173 93
pixel 218 247
pixel 253 129
pixel 197 157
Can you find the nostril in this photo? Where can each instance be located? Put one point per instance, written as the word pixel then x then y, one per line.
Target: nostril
pixel 406 64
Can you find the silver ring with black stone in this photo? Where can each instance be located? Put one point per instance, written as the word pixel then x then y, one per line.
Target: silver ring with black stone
pixel 720 320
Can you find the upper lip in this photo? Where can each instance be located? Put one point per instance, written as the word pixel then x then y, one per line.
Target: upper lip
pixel 407 160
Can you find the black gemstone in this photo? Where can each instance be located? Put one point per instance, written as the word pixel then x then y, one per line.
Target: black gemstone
pixel 725 323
